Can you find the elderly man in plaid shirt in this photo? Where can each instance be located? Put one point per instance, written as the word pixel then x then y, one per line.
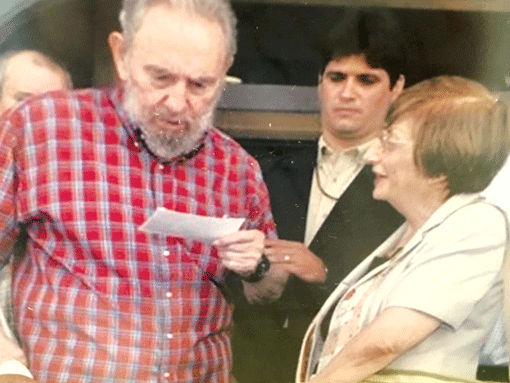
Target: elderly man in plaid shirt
pixel 96 299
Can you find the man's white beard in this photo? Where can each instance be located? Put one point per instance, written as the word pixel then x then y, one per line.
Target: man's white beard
pixel 159 142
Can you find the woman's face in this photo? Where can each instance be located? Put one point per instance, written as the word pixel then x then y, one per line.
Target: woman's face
pixel 397 179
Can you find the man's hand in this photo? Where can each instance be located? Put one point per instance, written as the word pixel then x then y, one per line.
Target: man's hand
pixel 241 251
pixel 8 378
pixel 296 259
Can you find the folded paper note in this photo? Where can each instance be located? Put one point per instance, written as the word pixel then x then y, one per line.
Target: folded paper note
pixel 177 224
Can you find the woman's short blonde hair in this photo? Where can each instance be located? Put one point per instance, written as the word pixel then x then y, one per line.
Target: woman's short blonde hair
pixel 460 131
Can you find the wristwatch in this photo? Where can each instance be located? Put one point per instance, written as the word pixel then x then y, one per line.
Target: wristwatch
pixel 260 271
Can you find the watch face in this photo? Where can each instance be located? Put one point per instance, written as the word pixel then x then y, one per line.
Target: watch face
pixel 261 269
pixel 264 264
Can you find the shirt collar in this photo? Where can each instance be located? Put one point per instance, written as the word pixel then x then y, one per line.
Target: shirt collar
pixel 356 153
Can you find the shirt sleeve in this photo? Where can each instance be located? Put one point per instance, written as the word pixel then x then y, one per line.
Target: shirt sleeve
pixel 458 262
pixel 258 201
pixel 8 182
pixel 12 357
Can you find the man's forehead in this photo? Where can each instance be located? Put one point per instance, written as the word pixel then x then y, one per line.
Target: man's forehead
pixel 355 64
pixel 162 21
pixel 177 42
pixel 156 70
pixel 32 78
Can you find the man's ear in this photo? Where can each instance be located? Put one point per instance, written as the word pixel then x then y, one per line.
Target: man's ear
pixel 398 87
pixel 228 63
pixel 118 48
pixel 319 87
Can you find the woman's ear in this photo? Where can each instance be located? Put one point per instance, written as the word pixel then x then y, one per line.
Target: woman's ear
pixel 398 88
pixel 439 183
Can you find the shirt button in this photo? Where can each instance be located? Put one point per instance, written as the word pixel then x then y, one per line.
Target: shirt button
pixel 169 295
pixel 166 253
pixel 169 336
pixel 161 166
pixel 166 375
pixel 137 145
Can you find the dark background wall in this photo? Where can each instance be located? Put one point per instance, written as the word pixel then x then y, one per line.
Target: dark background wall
pixel 278 43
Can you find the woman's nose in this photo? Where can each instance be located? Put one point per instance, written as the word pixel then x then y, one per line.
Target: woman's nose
pixel 372 155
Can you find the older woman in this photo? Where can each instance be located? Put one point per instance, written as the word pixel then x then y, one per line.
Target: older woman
pixel 419 308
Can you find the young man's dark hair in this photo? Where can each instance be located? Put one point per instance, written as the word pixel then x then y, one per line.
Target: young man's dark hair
pixel 373 33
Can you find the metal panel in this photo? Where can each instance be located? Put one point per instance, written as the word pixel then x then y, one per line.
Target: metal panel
pixel 275 98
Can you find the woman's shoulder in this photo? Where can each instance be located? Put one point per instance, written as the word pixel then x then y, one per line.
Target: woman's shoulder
pixel 482 212
pixel 470 221
pixel 469 210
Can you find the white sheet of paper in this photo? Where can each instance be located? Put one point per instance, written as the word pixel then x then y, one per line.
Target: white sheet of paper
pixel 177 224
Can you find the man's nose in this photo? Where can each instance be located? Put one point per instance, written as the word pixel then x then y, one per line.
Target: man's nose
pixel 176 97
pixel 348 89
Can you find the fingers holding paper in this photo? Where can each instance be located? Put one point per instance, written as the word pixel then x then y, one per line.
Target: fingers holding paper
pixel 241 251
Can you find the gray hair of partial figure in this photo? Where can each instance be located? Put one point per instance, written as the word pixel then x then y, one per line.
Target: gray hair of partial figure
pixel 133 11
pixel 38 59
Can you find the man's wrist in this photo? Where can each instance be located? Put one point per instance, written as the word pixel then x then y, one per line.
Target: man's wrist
pixel 260 271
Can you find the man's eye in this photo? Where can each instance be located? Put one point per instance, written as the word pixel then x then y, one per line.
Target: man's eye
pixel 368 79
pixel 198 86
pixel 161 78
pixel 159 82
pixel 337 77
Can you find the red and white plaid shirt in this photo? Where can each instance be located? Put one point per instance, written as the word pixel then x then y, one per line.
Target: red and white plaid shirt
pixel 96 299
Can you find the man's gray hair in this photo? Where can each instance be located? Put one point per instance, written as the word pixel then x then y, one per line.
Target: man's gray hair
pixel 133 11
pixel 37 58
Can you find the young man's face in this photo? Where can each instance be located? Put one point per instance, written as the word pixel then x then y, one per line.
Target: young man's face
pixel 173 73
pixel 354 100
